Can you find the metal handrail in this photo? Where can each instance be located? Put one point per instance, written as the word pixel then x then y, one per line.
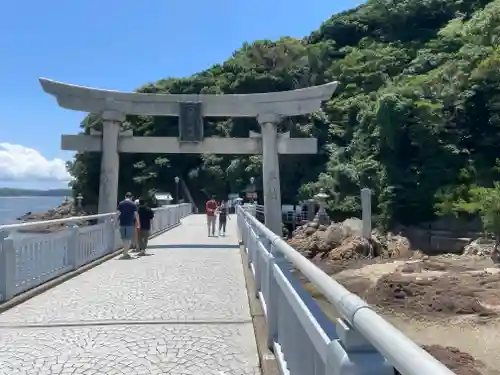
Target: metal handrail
pixel 72 219
pixel 44 223
pixel 405 355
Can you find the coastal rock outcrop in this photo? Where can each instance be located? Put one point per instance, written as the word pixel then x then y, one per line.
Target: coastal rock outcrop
pixel 65 210
pixel 343 241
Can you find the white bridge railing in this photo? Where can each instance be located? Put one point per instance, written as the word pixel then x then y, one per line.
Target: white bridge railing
pixel 303 339
pixel 31 259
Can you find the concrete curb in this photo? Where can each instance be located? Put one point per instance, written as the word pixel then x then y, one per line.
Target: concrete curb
pixel 23 297
pixel 268 363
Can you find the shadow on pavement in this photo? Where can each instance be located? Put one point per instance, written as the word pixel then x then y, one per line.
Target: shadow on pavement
pixel 194 246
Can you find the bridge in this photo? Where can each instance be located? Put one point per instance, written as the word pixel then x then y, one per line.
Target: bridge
pixel 229 305
pixel 195 305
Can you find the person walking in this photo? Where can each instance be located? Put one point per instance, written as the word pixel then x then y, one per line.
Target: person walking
pixel 128 219
pixel 146 214
pixel 135 245
pixel 211 208
pixel 223 212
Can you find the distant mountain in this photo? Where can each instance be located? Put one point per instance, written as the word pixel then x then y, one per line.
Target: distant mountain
pixel 10 192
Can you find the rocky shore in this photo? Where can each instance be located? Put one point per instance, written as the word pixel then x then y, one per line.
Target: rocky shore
pixel 417 292
pixel 65 210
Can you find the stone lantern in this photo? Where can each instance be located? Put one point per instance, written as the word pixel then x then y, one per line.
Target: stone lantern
pixel 79 200
pixel 322 217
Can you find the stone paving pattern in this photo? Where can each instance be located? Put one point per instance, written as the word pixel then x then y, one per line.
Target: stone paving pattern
pixel 181 310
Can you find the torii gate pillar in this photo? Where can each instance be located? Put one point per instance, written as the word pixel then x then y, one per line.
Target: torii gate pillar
pixel 110 161
pixel 270 172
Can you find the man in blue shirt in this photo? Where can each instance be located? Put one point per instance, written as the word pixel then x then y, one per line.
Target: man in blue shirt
pixel 128 218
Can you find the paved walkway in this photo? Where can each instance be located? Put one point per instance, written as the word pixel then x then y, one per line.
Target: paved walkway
pixel 181 310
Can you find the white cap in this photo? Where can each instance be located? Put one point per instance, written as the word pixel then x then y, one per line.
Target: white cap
pixel 136 201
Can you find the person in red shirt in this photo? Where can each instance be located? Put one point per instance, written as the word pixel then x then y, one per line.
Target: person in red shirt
pixel 211 208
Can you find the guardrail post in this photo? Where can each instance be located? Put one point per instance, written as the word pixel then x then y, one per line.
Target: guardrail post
pixel 238 227
pixel 272 304
pixel 244 230
pixel 159 219
pixel 7 267
pixel 257 265
pixel 72 254
pixel 110 235
pixel 266 243
pixel 353 354
pixel 241 227
pixel 166 218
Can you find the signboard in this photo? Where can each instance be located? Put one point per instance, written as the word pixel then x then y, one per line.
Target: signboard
pixel 251 195
pixel 190 122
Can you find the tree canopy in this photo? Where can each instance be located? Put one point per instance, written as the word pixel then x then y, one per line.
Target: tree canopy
pixel 416 117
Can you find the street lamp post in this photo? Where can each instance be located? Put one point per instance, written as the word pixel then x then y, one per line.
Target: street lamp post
pixel 252 180
pixel 177 179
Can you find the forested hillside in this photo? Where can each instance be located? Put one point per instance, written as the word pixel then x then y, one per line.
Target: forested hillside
pixel 416 116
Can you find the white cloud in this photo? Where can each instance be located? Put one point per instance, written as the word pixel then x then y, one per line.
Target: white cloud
pixel 19 163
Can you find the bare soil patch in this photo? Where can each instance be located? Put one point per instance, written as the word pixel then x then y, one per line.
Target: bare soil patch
pixel 459 362
pixel 429 287
pixel 437 293
pixel 448 304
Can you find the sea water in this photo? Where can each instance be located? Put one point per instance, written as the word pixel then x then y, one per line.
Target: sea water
pixel 13 207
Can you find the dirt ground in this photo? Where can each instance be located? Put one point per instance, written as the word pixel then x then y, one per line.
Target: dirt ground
pixel 450 304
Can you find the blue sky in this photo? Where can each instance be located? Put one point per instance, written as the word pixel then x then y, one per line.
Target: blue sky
pixel 118 45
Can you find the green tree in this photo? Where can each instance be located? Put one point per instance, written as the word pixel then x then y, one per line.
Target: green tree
pixel 486 203
pixel 416 117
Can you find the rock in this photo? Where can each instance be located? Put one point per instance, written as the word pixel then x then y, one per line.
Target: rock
pixel 304 245
pixel 64 210
pixel 25 216
pixel 480 247
pixel 313 224
pixel 310 231
pixel 351 248
pixel 397 246
pixel 343 241
pixel 352 227
pixel 321 242
pixel 312 239
pixel 335 235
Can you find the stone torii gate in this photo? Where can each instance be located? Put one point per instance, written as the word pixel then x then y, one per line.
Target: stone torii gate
pixel 267 108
